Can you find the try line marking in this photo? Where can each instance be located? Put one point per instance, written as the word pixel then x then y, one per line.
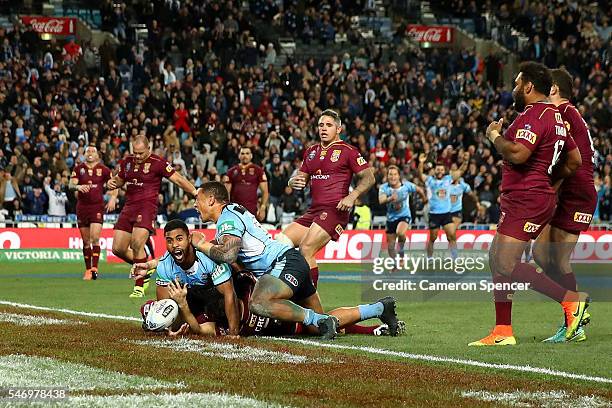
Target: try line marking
pixel 368 350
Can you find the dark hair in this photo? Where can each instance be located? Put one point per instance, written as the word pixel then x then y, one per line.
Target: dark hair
pixel 217 190
pixel 176 224
pixel 564 82
pixel 538 74
pixel 332 114
pixel 393 167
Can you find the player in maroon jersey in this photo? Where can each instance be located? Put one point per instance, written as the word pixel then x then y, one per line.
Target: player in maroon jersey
pixel 141 173
pixel 89 179
pixel 329 166
pixel 530 148
pixel 242 181
pixel 577 200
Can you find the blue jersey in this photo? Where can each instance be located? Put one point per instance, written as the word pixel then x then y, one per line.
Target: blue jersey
pixel 456 194
pixel 438 194
pixel 259 251
pixel 401 207
pixel 203 272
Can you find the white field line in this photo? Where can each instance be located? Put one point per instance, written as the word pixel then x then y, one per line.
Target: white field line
pixel 18 370
pixel 33 320
pixel 541 399
pixel 441 359
pixel 369 350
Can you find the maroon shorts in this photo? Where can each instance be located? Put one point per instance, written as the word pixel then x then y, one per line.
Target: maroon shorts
pixel 333 221
pixel 575 208
pixel 137 216
pixel 524 214
pixel 88 214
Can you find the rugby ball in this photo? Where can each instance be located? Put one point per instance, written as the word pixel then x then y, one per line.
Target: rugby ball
pixel 161 315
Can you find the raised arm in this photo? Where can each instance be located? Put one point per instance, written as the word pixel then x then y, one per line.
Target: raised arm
pixel 420 174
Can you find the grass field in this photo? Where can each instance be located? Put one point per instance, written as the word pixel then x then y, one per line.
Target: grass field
pixel 429 366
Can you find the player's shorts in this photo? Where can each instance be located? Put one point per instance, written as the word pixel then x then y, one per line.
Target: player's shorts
pixel 88 214
pixel 575 208
pixel 457 214
pixel 525 213
pixel 142 216
pixel 392 225
pixel 291 268
pixel 332 220
pixel 439 220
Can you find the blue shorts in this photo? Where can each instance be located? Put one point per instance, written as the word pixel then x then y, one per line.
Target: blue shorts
pixel 392 225
pixel 291 268
pixel 439 220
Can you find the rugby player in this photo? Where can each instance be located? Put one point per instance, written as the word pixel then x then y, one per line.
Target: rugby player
pixel 396 195
pixel 88 179
pixel 284 290
pixel 242 182
pixel 530 147
pixel 142 174
pixel 457 188
pixel 576 203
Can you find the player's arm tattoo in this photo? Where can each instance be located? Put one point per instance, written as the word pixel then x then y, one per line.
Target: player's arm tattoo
pixel 227 250
pixel 366 181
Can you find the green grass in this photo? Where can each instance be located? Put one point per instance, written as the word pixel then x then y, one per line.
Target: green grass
pixel 434 327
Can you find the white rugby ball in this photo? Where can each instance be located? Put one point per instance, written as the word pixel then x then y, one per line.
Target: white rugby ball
pixel 161 315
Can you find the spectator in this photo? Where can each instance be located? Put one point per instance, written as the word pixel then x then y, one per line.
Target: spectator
pixel 57 198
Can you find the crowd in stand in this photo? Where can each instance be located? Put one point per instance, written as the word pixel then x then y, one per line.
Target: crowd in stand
pixel 203 84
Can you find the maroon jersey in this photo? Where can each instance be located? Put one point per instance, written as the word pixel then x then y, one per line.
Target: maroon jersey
pixel 245 180
pixel 540 128
pixel 95 177
pixel 579 131
pixel 142 181
pixel 331 170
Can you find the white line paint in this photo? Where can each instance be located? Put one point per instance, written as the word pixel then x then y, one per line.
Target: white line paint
pixel 18 370
pixel 72 312
pixel 370 350
pixel 34 320
pixel 440 359
pixel 541 399
pixel 186 399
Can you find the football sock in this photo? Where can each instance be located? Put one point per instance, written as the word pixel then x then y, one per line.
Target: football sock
pixel 314 274
pixel 141 281
pixel 538 281
pixel 371 310
pixel 503 301
pixel 360 329
pixel 312 317
pixel 87 257
pixel 95 256
pixel 149 248
pixel 568 281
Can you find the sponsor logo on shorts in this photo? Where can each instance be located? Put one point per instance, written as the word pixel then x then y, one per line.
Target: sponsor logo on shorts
pixel 339 229
pixel 335 155
pixel 531 227
pixel 582 217
pixel 526 134
pixel 291 279
pixel 98 216
pixel 361 161
pixel 323 215
pixel 501 218
pixel 139 218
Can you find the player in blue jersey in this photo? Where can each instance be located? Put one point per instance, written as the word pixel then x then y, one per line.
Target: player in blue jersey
pixel 284 289
pixel 457 189
pixel 209 284
pixel 396 195
pixel 438 186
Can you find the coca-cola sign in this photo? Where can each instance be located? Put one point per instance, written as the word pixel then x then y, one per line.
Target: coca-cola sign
pixel 431 34
pixel 51 25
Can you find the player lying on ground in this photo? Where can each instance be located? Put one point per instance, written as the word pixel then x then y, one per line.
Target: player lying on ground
pixel 206 294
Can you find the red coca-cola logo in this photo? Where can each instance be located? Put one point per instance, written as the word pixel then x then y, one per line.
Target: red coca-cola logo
pixel 50 26
pixel 429 34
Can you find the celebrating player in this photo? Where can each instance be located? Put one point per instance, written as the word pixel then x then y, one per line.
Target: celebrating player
pixel 456 190
pixel 576 204
pixel 141 173
pixel 285 290
pixel 530 147
pixel 243 180
pixel 438 191
pixel 396 194
pixel 88 179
